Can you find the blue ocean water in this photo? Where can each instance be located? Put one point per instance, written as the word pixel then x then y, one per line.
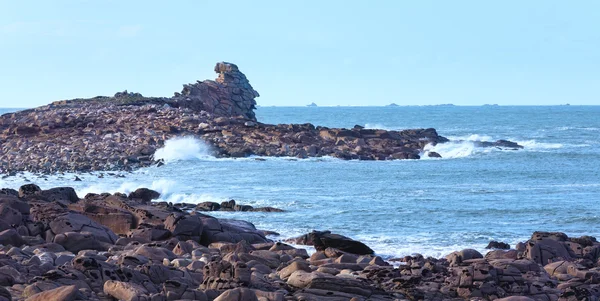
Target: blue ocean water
pixel 430 206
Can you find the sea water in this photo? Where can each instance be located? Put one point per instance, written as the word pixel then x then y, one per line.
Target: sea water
pixel 431 206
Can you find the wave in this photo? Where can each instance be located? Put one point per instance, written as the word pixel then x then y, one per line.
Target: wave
pixel 465 146
pixel 183 149
pixel 573 128
pixel 450 150
pixel 377 126
pixel 471 137
pixel 535 145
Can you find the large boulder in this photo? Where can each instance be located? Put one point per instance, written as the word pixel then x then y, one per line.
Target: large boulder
pixel 78 241
pixel 59 194
pixel 230 95
pixel 28 189
pixel 547 247
pixel 145 195
pixel 74 222
pixel 322 240
pixel 63 293
pixel 125 291
pixel 229 230
pixel 118 220
pixel 11 237
pixel 184 226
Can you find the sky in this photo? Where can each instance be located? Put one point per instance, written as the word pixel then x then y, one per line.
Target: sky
pixel 538 52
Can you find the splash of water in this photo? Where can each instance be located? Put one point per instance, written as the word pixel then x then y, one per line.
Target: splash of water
pixel 183 149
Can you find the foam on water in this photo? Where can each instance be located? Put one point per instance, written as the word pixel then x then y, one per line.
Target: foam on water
pixel 450 150
pixel 377 126
pixel 182 149
pixel 397 208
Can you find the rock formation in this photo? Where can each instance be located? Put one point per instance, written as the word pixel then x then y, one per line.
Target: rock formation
pixel 229 95
pixel 124 131
pixel 56 246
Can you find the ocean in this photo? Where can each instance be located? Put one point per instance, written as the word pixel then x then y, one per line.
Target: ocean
pixel 430 206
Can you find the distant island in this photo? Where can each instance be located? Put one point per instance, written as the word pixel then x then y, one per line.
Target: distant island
pixel 392 105
pixel 312 104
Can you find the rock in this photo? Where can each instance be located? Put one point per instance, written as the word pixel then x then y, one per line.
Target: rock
pixel 498 245
pixel 208 206
pixel 28 189
pixel 293 267
pixel 63 293
pixel 155 253
pixel 125 291
pixel 238 294
pixel 230 95
pixel 74 222
pixel 516 298
pixel 233 231
pixel 184 226
pixel 66 194
pixel 545 247
pixel 11 237
pixel 456 258
pixel 145 195
pixel 10 216
pixel 322 240
pixel 433 155
pixel 5 294
pixel 77 241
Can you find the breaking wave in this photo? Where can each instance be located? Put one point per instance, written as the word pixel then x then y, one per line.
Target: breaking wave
pixel 183 149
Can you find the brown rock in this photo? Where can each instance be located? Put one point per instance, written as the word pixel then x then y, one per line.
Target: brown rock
pixel 125 291
pixel 63 293
pixel 145 195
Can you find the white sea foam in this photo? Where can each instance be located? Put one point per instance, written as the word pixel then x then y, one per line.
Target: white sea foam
pixel 471 137
pixel 535 145
pixel 183 148
pixel 451 150
pixel 377 126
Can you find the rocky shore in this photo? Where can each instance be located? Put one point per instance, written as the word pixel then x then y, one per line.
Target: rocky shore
pixel 55 245
pixel 124 131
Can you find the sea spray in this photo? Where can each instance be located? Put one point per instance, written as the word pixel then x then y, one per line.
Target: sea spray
pixel 450 150
pixel 182 149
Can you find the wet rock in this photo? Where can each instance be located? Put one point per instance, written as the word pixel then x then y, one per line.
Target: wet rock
pixel 322 240
pixel 145 195
pixel 498 245
pixel 433 155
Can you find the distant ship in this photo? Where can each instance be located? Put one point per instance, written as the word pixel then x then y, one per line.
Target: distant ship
pixel 312 104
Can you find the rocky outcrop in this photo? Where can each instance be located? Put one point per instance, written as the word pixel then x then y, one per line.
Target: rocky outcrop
pixel 171 254
pixel 123 132
pixel 231 205
pixel 229 95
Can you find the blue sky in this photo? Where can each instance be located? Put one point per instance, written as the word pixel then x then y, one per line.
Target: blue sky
pixel 298 52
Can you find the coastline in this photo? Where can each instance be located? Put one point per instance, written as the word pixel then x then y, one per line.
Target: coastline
pixel 123 132
pixel 161 251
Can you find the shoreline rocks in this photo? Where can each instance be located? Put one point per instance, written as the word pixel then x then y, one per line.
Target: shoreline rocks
pixel 122 133
pixel 71 249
